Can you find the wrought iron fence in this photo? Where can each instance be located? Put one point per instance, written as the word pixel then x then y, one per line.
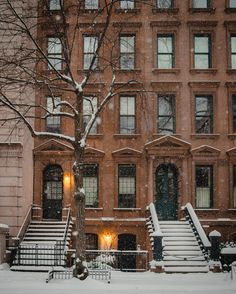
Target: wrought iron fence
pixel 41 254
pixel 117 260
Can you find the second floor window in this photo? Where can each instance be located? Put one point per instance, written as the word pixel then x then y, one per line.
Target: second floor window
pixel 127 115
pixel 201 3
pixel 202 51
pixel 91 4
pixel 204 186
pixel 53 122
pixel 166 114
pixel 232 3
pixel 55 4
pixel 89 107
pixel 165 51
pixel 90 184
pixel 54 53
pixel 204 114
pixel 126 185
pixel 127 52
pixel 233 51
pixel 234 113
pixel 90 47
pixel 163 4
pixel 127 4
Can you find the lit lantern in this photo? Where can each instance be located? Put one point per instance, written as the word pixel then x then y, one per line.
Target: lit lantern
pixel 67 179
pixel 107 240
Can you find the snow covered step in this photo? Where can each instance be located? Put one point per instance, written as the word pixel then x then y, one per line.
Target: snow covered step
pixel 187 269
pixel 181 247
pixel 174 258
pixel 183 253
pixel 185 263
pixel 178 234
pixel 179 238
pixel 173 223
pixel 181 243
pixel 177 230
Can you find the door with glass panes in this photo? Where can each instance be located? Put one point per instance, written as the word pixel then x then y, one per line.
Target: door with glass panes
pixel 166 201
pixel 52 192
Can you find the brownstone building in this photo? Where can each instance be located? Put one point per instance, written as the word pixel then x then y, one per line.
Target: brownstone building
pixel 169 140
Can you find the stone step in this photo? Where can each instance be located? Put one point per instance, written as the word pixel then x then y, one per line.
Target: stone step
pixel 43 234
pixel 176 230
pixel 181 248
pixel 185 263
pixel 179 258
pixel 181 243
pixel 178 234
pixel 179 238
pixel 173 223
pixel 187 269
pixel 183 253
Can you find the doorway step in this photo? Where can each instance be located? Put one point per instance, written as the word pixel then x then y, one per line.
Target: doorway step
pixel 44 245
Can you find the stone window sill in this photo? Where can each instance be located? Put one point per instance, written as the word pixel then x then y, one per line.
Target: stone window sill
pixel 125 11
pixel 126 209
pixel 126 136
pixel 93 208
pixel 231 71
pixel 135 70
pixel 166 71
pixel 205 136
pixel 203 71
pixel 206 209
pixel 95 136
pixel 230 10
pixel 165 10
pixel 202 10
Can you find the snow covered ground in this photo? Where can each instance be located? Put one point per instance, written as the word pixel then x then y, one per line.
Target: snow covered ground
pixel 121 283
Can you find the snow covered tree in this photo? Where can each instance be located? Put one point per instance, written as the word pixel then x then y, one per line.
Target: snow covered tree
pixel 45 60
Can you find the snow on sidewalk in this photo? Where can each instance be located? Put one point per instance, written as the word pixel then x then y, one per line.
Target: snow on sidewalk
pixel 121 283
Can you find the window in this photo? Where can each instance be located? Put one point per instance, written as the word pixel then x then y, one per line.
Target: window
pixel 89 106
pixel 55 4
pixel 204 114
pixel 127 173
pixel 232 3
pixel 127 4
pixel 54 53
pixel 91 4
pixel 90 184
pixel 162 4
pixel 234 186
pixel 90 48
pixel 165 51
pixel 204 186
pixel 234 112
pixel 202 51
pixel 53 121
pixel 127 52
pixel 201 3
pixel 91 241
pixel 233 51
pixel 166 114
pixel 127 115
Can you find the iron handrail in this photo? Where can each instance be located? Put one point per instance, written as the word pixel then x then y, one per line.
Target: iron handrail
pixel 197 225
pixel 24 225
pixel 154 218
pixel 67 226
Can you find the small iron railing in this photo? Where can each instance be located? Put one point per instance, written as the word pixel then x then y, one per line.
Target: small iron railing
pixel 194 222
pixel 40 254
pixel 123 260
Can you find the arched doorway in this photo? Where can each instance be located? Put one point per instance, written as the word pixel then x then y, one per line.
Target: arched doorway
pixel 167 192
pixel 52 192
pixel 127 242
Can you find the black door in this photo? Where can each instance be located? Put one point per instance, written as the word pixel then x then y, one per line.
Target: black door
pixel 127 261
pixel 167 192
pixel 53 192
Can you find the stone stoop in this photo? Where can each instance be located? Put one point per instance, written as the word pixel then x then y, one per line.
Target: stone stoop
pixel 43 246
pixel 182 253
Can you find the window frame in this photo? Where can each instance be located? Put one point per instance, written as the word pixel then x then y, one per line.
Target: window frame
pixel 173 116
pixel 96 62
pixel 229 6
pixel 133 53
pixel 51 129
pixel 172 54
pixel 208 54
pixel 210 116
pixel 89 8
pixel 209 5
pixel 232 53
pixel 120 195
pixel 58 56
pixel 164 8
pixel 128 115
pixel 58 6
pixel 94 128
pixel 211 187
pixel 95 199
pixel 127 8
